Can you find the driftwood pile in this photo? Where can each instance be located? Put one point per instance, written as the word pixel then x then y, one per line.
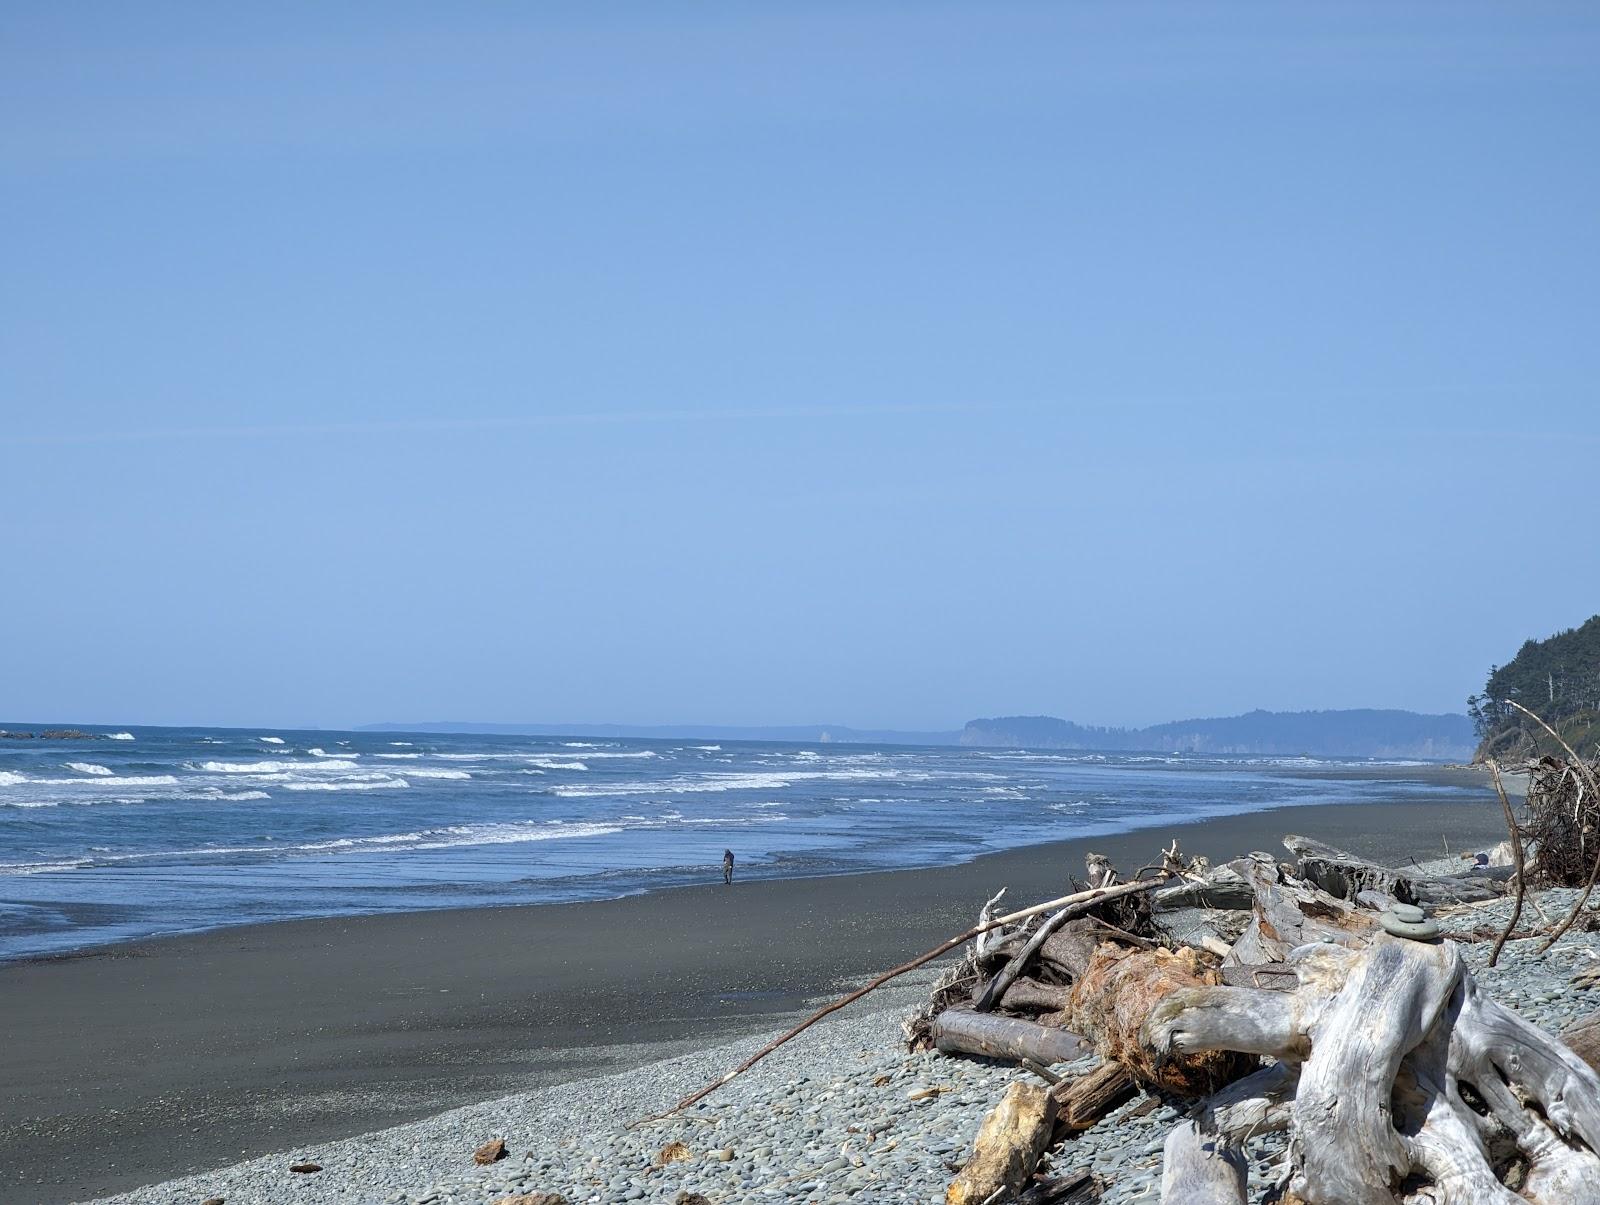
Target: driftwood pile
pixel 1563 821
pixel 1315 999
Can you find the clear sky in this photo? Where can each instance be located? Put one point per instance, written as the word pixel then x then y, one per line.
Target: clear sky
pixel 878 364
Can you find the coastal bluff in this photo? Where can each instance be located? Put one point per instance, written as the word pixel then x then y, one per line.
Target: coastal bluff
pixel 1363 732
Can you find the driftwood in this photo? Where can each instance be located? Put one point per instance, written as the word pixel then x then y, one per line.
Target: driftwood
pixel 1345 876
pixel 1397 1079
pixel 987 1035
pixel 1075 1188
pixel 1087 1099
pixel 1080 900
pixel 1583 1039
pixel 1009 1143
pixel 1115 996
pixel 1029 995
pixel 1288 913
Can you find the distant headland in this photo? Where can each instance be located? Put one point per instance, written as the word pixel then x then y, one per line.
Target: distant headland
pixel 1352 733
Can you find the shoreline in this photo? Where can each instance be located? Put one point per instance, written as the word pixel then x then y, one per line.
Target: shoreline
pixel 141 1062
pixel 1450 773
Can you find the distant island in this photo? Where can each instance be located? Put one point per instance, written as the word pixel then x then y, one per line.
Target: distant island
pixel 1363 732
pixel 1357 733
pixel 1557 678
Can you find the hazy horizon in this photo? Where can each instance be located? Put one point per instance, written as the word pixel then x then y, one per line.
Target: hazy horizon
pixel 884 365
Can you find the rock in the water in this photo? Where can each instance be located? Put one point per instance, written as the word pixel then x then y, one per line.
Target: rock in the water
pixel 305 1168
pixel 490 1152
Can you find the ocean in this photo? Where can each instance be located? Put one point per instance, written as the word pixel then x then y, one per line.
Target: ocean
pixel 149 831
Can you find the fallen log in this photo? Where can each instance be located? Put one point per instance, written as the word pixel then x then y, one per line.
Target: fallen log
pixel 1344 875
pixel 1008 1146
pixel 1084 1101
pixel 1029 995
pixel 989 1035
pixel 1397 1079
pixel 1583 1038
pixel 1075 1188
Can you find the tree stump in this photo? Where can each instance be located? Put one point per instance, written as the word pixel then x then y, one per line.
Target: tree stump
pixel 1397 1080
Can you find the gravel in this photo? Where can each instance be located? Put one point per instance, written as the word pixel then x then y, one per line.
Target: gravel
pixel 841 1114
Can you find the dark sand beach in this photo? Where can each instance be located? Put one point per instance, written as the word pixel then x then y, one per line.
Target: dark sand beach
pixel 139 1063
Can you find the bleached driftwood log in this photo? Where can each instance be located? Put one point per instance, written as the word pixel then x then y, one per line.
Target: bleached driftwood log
pixel 1008 1146
pixel 1397 1079
pixel 962 1031
pixel 1343 874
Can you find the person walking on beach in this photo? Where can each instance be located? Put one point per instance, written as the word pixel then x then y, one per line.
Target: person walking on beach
pixel 727 866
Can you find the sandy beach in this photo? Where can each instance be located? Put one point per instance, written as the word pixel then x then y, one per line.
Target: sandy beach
pixel 140 1063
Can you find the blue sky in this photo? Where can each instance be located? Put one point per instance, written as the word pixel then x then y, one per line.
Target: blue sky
pixel 863 363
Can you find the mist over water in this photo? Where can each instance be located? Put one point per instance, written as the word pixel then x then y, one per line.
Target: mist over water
pixel 163 830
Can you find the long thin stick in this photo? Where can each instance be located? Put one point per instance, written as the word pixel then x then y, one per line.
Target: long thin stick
pixel 1516 854
pixel 1079 900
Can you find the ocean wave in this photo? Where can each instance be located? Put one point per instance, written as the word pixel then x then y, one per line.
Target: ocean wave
pixel 775 780
pixel 120 736
pixel 419 772
pixel 277 766
pixel 400 744
pixel 29 803
pixel 449 837
pixel 271 740
pixel 341 753
pixel 8 779
pixel 580 745
pixel 88 767
pixel 545 763
pixel 242 796
pixel 349 784
pixel 708 748
pixel 398 756
pixel 133 780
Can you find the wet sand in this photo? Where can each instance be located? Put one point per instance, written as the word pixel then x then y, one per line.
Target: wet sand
pixel 143 1062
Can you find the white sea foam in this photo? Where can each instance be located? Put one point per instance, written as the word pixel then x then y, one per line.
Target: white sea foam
pixel 243 796
pixel 511 832
pixel 271 740
pixel 419 772
pixel 134 780
pixel 341 753
pixel 349 784
pixel 398 756
pixel 8 779
pixel 277 766
pixel 88 767
pixel 717 782
pixel 545 763
pixel 29 803
pixel 120 736
pixel 401 744
pixel 580 745
pixel 708 748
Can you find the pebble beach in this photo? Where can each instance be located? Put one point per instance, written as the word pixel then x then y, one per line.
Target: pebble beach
pixel 841 1114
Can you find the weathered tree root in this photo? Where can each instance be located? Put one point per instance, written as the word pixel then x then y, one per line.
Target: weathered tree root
pixel 1397 1080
